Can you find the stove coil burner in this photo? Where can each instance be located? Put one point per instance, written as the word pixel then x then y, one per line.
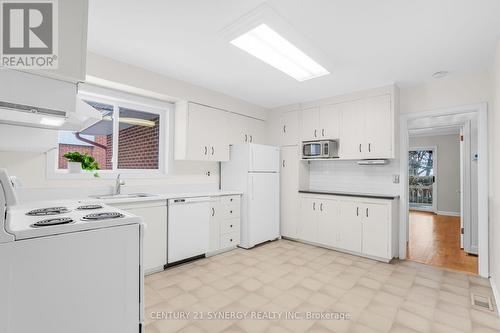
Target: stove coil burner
pixel 89 207
pixel 48 211
pixel 103 216
pixel 50 222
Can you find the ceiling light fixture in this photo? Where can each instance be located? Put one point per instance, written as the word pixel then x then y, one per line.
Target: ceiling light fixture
pixel 267 45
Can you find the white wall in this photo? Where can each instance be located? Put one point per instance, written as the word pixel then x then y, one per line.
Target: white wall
pixel 448 169
pixel 30 167
pixel 495 182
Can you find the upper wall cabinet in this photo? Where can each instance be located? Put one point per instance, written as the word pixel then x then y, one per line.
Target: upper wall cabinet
pixel 73 17
pixel 289 128
pixel 367 129
pixel 201 133
pixel 245 129
pixel 321 123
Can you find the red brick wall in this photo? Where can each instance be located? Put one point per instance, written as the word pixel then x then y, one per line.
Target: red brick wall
pixel 138 148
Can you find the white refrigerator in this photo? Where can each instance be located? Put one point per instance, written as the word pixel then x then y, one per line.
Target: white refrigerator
pixel 254 170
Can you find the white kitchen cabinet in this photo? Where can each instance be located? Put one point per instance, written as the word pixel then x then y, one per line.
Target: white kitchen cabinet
pixel 154 216
pixel 363 226
pixel 367 129
pixel 200 133
pixel 308 226
pixel 289 183
pixel 350 230
pixel 379 129
pixel 245 129
pixel 310 124
pixel 73 19
pixel 376 229
pixel 329 119
pixel 328 220
pixel 224 223
pixel 289 128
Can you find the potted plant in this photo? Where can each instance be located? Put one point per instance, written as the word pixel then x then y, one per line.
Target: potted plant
pixel 78 162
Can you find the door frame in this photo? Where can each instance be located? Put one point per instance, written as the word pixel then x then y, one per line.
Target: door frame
pixel 435 171
pixel 481 110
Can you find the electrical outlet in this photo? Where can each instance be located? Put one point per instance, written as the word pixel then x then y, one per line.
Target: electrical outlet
pixel 395 179
pixel 208 173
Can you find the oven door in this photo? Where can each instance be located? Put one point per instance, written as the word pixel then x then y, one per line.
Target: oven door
pixel 311 149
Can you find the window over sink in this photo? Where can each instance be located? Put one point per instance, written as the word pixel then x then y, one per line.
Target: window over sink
pixel 130 139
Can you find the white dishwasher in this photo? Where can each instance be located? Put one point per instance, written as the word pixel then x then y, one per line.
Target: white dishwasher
pixel 188 228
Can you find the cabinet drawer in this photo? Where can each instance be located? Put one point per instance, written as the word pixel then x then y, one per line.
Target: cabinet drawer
pixel 230 226
pixel 228 211
pixel 228 240
pixel 232 200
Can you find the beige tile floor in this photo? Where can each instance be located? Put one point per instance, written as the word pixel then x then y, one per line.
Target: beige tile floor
pixel 288 277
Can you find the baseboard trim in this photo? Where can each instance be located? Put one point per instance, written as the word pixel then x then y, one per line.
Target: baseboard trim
pixel 496 295
pixel 440 212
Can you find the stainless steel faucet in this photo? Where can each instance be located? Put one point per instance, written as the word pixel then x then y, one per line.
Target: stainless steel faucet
pixel 118 185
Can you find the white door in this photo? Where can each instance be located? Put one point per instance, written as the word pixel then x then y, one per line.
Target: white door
pixel 155 236
pixel 263 208
pixel 349 226
pixel 376 224
pixel 264 158
pixel 256 130
pixel 329 117
pixel 308 224
pixel 289 128
pixel 328 217
pixel 352 131
pixel 378 129
pixel 237 129
pixel 289 175
pixel 310 124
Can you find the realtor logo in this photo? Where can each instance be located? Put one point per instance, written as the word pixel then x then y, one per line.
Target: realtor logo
pixel 29 34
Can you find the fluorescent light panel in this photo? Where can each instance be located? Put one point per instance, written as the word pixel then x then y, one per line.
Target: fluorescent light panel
pixel 52 121
pixel 267 45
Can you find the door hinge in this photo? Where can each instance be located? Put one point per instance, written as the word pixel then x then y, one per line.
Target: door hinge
pixel 462 231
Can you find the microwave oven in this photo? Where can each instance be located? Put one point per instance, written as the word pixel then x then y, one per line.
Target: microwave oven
pixel 320 149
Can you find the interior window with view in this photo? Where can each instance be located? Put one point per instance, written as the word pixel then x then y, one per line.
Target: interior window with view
pixel 136 133
pixel 421 178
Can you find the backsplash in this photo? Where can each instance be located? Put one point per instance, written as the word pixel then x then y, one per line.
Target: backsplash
pixel 349 176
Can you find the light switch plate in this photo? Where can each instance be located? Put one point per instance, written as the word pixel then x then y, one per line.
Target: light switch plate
pixel 395 179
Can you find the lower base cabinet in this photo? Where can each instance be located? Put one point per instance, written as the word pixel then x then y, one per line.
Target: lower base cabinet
pixel 224 223
pixel 363 226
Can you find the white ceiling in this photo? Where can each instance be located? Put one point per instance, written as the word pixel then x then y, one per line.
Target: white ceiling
pixel 367 43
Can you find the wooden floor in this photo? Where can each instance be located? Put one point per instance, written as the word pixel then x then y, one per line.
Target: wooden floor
pixel 435 240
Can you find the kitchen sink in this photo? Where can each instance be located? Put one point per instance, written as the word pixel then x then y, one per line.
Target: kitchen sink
pixel 124 196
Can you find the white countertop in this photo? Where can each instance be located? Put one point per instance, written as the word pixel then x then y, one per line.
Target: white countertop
pixel 164 196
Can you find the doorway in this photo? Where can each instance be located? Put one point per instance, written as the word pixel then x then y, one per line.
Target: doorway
pixel 428 218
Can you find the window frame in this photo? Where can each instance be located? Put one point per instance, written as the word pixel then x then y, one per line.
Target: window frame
pixel 123 100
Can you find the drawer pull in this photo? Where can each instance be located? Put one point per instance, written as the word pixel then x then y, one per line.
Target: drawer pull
pixel 231 199
pixel 230 239
pixel 231 211
pixel 230 225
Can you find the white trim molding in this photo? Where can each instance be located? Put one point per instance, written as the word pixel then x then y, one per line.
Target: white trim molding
pixel 481 110
pixel 441 212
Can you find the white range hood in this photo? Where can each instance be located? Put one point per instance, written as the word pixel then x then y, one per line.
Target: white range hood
pixel 36 101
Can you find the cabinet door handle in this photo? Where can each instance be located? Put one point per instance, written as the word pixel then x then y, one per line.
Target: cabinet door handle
pixel 366 212
pixel 283 163
pixel 369 147
pixel 321 206
pixel 230 226
pixel 206 150
pixel 213 211
pixel 213 150
pixel 315 133
pixel 284 128
pixel 314 206
pixel 246 137
pixel 323 132
pixel 357 211
pixel 360 147
pixel 251 138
